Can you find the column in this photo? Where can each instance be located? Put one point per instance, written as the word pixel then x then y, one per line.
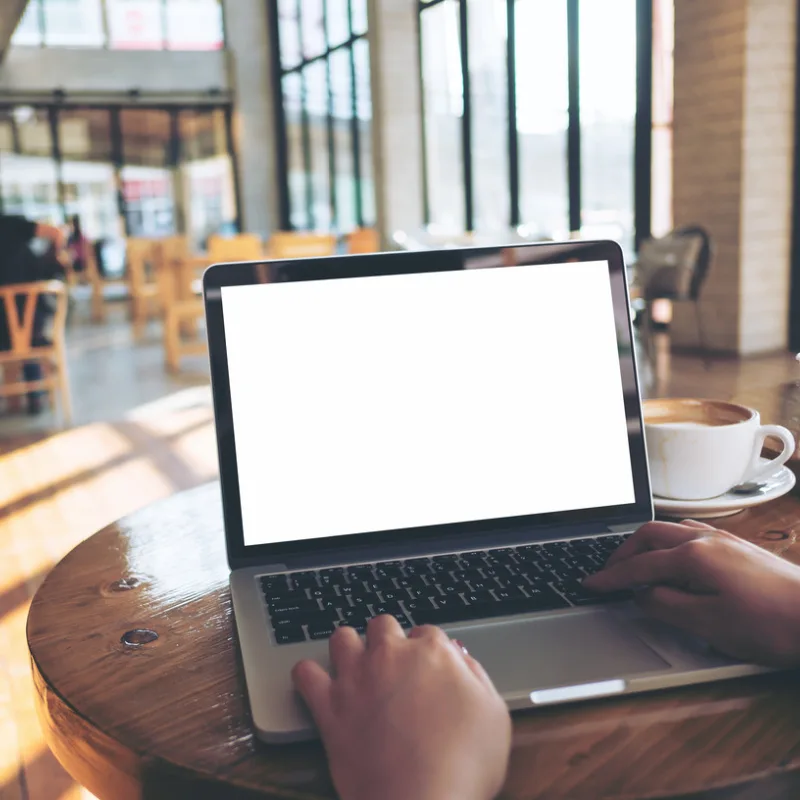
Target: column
pixel 254 131
pixel 733 157
pixel 397 124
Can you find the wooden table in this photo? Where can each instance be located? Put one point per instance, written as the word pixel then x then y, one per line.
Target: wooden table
pixel 130 715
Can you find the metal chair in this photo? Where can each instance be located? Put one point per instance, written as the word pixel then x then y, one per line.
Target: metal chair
pixel 674 268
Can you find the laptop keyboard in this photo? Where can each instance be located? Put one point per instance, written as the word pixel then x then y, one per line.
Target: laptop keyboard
pixel 434 591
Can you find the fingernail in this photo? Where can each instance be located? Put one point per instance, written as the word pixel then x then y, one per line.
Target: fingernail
pixel 460 645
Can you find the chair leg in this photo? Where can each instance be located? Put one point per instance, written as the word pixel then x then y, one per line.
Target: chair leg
pixel 63 387
pixel 701 334
pixel 172 341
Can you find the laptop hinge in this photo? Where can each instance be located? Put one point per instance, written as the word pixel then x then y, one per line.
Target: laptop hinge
pixel 624 528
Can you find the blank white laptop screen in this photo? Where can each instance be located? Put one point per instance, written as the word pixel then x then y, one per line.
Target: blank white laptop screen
pixel 382 403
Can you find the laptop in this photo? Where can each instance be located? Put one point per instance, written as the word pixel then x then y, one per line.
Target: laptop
pixel 450 437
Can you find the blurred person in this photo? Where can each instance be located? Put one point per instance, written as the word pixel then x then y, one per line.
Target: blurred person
pixel 77 245
pixel 417 717
pixel 20 264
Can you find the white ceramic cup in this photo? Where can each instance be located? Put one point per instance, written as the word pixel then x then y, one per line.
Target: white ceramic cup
pixel 700 449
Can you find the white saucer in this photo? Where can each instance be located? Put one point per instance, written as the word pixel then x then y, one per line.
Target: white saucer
pixel 725 505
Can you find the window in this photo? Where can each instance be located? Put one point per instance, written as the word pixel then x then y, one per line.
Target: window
pixel 529 115
pixel 607 114
pixel 443 102
pixel 123 24
pixel 323 61
pixel 88 171
pixel 206 172
pixel 29 182
pixel 137 171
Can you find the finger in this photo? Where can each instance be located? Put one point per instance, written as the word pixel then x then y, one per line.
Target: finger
pixel 383 628
pixel 478 671
pixel 314 685
pixel 345 647
pixel 653 536
pixel 693 523
pixel 645 569
pixel 675 607
pixel 429 632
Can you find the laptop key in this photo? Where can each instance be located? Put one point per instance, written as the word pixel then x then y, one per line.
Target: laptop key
pixel 280 608
pixel 386 607
pixel 304 580
pixel 290 635
pixel 274 583
pixel 286 596
pixel 321 630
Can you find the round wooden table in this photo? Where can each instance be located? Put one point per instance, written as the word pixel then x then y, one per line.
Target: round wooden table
pixel 140 691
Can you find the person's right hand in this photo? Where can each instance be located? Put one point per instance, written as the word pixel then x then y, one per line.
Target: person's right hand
pixel 737 596
pixel 407 717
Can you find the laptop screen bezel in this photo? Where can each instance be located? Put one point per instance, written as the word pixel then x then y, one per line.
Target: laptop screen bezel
pixel 219 276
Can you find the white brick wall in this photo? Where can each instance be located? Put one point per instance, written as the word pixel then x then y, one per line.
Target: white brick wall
pixel 734 118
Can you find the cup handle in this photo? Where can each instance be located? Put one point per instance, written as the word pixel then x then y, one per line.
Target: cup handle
pixel 756 471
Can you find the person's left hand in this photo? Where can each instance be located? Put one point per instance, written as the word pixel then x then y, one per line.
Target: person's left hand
pixel 407 717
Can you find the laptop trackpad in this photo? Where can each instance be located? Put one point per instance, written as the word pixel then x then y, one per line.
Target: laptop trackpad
pixel 562 650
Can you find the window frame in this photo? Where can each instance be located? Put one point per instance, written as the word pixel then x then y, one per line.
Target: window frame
pixel 642 127
pixel 282 149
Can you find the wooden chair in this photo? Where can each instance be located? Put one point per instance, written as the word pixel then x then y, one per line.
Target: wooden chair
pixel 286 244
pixel 20 301
pixel 364 240
pixel 182 308
pixel 243 247
pixel 142 284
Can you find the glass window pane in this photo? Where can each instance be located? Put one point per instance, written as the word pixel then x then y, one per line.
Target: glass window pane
pixel 608 112
pixel 135 24
pixel 28 175
pixel 28 32
pixel 289 33
pixel 338 21
pixel 316 103
pixel 207 174
pixel 488 47
pixel 311 21
pixel 194 25
pixel 542 116
pixel 359 16
pixel 73 23
pixel 443 92
pixel 146 175
pixel 292 109
pixel 342 108
pixel 90 186
pixel 364 110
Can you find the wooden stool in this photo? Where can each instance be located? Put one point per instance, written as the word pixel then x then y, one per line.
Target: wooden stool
pixel 20 302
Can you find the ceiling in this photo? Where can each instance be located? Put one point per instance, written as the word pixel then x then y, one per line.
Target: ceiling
pixel 12 13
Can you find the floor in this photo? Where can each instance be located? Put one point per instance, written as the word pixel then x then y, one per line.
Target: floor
pixel 142 435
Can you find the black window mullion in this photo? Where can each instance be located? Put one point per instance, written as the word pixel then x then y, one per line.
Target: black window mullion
pixel 643 136
pixel 52 115
pixel 232 153
pixel 513 136
pixel 466 119
pixel 426 203
pixel 305 131
pixel 118 159
pixel 281 134
pixel 574 127
pixel 355 127
pixel 329 124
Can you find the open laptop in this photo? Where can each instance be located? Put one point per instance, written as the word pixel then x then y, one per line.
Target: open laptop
pixel 452 437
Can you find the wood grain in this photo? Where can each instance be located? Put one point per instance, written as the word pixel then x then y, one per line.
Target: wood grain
pixel 170 718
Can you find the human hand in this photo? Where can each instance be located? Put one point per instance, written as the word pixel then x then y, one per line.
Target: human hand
pixel 407 717
pixel 737 596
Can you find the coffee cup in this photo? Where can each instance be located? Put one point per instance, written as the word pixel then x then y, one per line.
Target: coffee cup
pixel 699 449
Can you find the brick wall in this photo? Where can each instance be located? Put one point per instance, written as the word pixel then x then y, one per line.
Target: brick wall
pixel 733 129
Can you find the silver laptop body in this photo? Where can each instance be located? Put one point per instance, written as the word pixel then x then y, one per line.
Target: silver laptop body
pixel 400 406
